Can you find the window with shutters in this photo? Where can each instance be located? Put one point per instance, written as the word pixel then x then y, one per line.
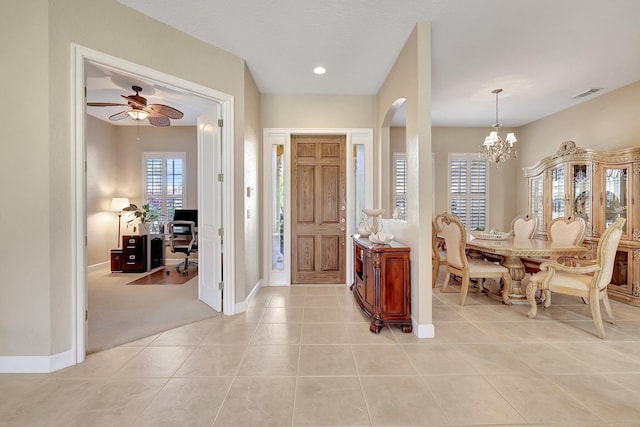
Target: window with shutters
pixel 468 189
pixel 400 184
pixel 165 182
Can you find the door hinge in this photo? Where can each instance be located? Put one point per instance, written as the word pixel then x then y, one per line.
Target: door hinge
pixel 220 232
pixel 220 123
pixel 85 91
pixel 220 177
pixel 86 315
pixel 86 241
pixel 220 286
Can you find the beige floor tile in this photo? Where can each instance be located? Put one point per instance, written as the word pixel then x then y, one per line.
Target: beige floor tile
pixel 446 313
pixel 401 400
pixel 321 290
pixel 329 401
pixel 359 333
pixel 102 364
pixel 382 360
pixel 547 359
pixel 143 342
pixel 282 315
pixel 257 401
pixel 191 334
pixel 326 360
pixel 471 400
pixel 232 331
pixel 155 362
pixel 604 397
pixel 460 332
pixel 540 401
pixel 599 357
pixel 628 380
pixel 287 300
pixel 277 333
pixel 353 314
pixel 186 402
pixel 322 315
pixel 494 359
pixel 270 360
pixel 315 301
pixel 439 359
pixel 324 333
pixel 212 361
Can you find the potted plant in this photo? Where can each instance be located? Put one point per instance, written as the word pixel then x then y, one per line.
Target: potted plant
pixel 143 215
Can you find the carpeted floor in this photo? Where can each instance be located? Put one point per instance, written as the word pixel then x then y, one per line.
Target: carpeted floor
pixel 119 313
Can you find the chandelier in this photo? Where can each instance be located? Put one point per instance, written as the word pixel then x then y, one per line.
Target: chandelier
pixel 496 149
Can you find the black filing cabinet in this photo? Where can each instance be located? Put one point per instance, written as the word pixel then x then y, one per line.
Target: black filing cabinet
pixel 134 254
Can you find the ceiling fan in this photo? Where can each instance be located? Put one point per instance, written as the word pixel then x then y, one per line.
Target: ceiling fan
pixel 157 114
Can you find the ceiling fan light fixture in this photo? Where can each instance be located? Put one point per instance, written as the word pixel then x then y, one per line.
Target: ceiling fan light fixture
pixel 137 114
pixel 319 70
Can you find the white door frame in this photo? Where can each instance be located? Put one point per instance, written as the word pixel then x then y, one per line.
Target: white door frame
pixel 80 54
pixel 282 136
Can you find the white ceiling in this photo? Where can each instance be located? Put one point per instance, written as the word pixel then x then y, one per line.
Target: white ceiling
pixel 541 52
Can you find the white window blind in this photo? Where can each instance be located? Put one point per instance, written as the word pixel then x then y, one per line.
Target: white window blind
pixel 400 184
pixel 164 182
pixel 468 189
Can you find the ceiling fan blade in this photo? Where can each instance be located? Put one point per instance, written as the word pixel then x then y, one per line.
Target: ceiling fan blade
pixel 104 104
pixel 165 110
pixel 119 116
pixel 159 121
pixel 136 100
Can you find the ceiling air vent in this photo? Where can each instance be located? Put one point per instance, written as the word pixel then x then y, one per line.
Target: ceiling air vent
pixel 586 93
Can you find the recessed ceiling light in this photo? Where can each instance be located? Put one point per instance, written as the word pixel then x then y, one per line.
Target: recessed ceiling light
pixel 319 70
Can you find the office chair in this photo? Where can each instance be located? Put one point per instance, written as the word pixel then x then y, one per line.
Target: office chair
pixel 183 238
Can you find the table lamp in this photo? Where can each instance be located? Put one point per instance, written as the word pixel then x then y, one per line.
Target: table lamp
pixel 117 205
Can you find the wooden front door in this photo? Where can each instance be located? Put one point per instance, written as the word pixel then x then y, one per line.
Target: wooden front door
pixel 318 218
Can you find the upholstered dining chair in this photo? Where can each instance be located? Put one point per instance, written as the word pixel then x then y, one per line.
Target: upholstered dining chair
pixel 524 226
pixel 438 256
pixel 585 278
pixel 458 264
pixel 568 230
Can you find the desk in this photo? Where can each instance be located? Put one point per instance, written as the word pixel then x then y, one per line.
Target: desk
pixel 512 249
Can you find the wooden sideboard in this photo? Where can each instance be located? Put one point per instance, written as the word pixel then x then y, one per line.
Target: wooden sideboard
pixel 600 186
pixel 382 283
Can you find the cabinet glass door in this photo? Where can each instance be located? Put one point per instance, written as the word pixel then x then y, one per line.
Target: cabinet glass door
pixel 557 192
pixel 535 192
pixel 616 196
pixel 581 193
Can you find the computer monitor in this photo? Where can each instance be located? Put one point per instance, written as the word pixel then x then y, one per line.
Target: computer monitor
pixel 186 215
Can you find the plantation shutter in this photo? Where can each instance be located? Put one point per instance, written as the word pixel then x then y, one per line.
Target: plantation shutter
pixel 164 182
pixel 468 189
pixel 400 184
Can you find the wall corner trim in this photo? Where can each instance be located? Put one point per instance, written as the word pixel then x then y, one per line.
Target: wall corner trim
pixel 423 331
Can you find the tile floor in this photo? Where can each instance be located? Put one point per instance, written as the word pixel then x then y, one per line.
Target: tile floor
pixel 304 356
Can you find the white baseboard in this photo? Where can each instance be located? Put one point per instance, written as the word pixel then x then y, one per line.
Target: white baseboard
pixel 36 364
pixel 241 306
pixel 423 331
pixel 98 266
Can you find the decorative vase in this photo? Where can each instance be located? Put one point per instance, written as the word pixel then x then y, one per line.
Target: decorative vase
pixel 143 229
pixel 371 223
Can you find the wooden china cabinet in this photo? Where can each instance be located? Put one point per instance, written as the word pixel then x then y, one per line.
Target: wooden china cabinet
pixel 599 186
pixel 381 283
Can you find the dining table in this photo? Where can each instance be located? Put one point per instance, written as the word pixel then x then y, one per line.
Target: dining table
pixel 512 249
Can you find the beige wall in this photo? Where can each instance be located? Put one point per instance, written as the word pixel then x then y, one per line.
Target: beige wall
pixel 410 78
pixel 317 111
pixel 37 302
pixel 25 273
pixel 102 224
pixel 609 121
pixel 252 253
pixel 502 191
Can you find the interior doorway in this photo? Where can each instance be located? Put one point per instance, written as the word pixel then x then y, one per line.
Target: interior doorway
pixel 218 160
